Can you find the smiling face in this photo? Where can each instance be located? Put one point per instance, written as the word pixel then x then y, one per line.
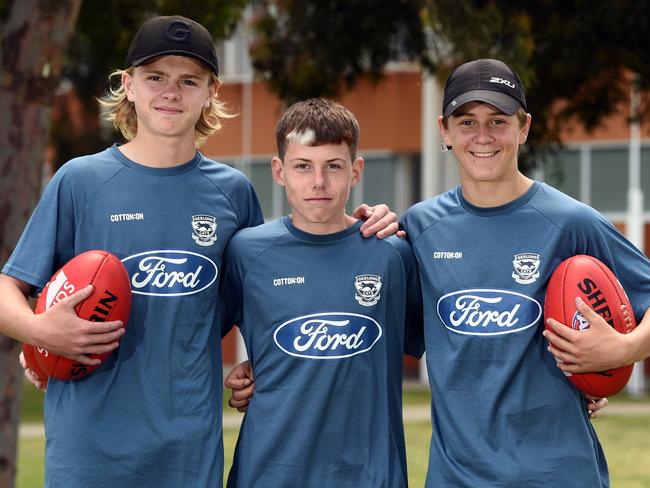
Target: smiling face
pixel 317 180
pixel 169 94
pixel 485 142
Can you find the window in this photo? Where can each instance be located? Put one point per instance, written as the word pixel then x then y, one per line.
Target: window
pixel 262 179
pixel 565 173
pixel 378 183
pixel 609 179
pixel 645 176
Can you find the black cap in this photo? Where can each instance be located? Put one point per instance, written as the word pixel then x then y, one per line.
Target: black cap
pixel 173 35
pixel 484 80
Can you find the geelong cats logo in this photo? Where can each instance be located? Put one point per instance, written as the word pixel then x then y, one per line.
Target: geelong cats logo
pixel 368 287
pixel 526 268
pixel 205 229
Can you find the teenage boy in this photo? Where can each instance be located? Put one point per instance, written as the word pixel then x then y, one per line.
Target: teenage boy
pixel 151 416
pixel 503 414
pixel 326 316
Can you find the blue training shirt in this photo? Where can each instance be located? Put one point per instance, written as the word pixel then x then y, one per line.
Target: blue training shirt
pixel 503 413
pixel 151 415
pixel 323 318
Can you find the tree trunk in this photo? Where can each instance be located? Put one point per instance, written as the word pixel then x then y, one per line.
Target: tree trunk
pixel 33 39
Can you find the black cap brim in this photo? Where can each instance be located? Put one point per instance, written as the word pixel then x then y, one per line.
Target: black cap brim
pixel 144 59
pixel 507 104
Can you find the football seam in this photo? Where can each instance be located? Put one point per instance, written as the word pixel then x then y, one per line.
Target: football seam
pixel 615 285
pixel 565 272
pixel 104 255
pixel 101 265
pixel 621 299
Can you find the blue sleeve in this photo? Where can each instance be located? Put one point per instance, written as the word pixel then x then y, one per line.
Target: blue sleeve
pixel 231 290
pixel 239 191
pixel 249 205
pixel 414 320
pixel 413 310
pixel 597 237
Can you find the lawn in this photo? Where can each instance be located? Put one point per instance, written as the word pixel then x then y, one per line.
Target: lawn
pixel 624 438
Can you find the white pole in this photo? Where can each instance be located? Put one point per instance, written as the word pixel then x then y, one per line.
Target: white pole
pixel 428 181
pixel 431 156
pixel 430 184
pixel 635 224
pixel 428 171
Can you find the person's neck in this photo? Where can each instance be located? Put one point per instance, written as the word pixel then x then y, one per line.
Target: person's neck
pixel 159 152
pixel 488 194
pixel 318 228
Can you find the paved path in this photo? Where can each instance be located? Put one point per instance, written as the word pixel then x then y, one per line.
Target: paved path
pixel 418 413
pixel 412 413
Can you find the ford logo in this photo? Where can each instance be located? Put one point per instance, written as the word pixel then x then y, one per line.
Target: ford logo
pixel 170 273
pixel 488 312
pixel 327 335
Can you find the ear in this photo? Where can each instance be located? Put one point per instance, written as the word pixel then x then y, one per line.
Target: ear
pixel 523 132
pixel 444 132
pixel 357 171
pixel 278 170
pixel 127 83
pixel 212 92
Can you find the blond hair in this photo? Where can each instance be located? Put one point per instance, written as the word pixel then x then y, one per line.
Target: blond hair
pixel 121 112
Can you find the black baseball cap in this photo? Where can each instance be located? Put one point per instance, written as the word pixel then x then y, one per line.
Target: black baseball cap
pixel 484 80
pixel 173 34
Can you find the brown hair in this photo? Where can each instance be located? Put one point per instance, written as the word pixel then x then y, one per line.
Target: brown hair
pixel 121 112
pixel 315 122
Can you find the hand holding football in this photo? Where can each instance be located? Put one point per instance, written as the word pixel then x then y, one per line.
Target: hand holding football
pixel 110 300
pixel 591 280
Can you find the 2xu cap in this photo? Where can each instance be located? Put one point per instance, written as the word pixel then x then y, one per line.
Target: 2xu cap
pixel 169 35
pixel 484 80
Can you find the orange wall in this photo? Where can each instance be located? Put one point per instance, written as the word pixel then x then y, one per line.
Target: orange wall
pixel 265 110
pixel 615 127
pixel 388 113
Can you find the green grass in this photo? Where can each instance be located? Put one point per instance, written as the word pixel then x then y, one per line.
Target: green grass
pixel 416 394
pixel 32 404
pixel 31 457
pixel 624 438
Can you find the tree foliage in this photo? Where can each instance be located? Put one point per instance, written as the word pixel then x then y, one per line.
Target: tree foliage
pixel 574 57
pixel 304 48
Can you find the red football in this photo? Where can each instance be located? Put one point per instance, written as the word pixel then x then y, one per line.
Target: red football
pixel 110 300
pixel 588 278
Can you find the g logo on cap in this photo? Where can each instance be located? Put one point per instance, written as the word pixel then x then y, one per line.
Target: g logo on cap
pixel 178 31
